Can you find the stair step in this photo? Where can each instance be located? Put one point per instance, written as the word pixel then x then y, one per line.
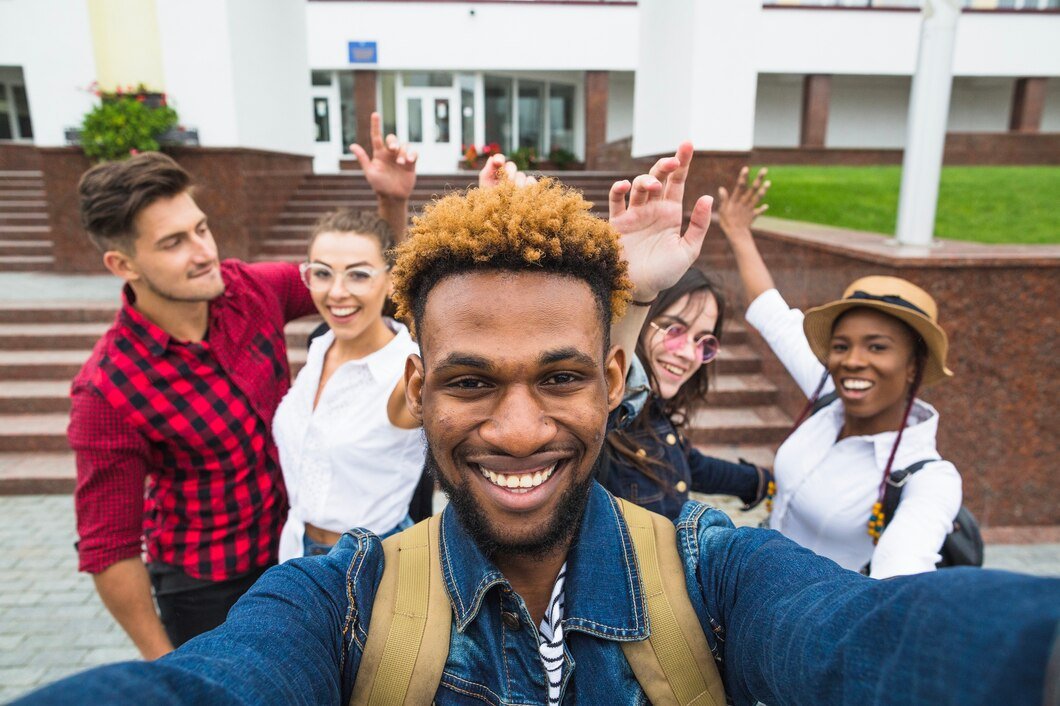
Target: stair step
pixel 21 174
pixel 23 247
pixel 741 390
pixel 760 455
pixel 34 396
pixel 37 473
pixel 9 192
pixel 21 205
pixel 29 218
pixel 45 312
pixel 25 228
pixel 51 336
pixel 26 263
pixel 739 358
pixel 33 432
pixel 41 365
pixel 742 425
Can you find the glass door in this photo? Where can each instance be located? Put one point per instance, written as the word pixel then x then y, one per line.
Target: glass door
pixel 327 123
pixel 429 120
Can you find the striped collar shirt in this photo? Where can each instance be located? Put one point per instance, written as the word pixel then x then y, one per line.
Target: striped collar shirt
pixel 550 639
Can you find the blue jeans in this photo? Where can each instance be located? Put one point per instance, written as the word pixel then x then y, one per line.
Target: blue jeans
pixel 312 548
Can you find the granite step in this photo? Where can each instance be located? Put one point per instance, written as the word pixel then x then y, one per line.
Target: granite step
pixel 34 396
pixel 24 206
pixel 758 454
pixel 8 216
pixel 26 263
pixel 24 473
pixel 740 425
pixel 42 312
pixel 33 432
pixel 12 192
pixel 25 247
pixel 741 390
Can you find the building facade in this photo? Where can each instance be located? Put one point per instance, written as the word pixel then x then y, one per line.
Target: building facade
pixel 559 78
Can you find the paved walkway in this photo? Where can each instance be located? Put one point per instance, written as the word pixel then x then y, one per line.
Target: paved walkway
pixel 52 624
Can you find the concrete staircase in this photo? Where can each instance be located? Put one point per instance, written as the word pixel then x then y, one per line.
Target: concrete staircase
pixel 25 237
pixel 44 344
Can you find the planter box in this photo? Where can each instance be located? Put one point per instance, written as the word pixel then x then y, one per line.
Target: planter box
pixel 173 137
pixel 541 165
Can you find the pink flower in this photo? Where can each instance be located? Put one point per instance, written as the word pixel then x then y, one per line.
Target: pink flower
pixel 134 152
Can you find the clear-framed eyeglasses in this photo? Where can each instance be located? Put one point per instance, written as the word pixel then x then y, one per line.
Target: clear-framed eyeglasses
pixel 319 277
pixel 675 336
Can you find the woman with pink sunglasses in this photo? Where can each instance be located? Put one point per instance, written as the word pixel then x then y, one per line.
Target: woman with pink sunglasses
pixel 651 462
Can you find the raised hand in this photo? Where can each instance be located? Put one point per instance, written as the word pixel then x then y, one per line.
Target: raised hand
pixel 737 211
pixel 391 170
pixel 650 225
pixel 497 168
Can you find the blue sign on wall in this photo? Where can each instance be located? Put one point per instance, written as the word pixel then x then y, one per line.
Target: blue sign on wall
pixel 363 53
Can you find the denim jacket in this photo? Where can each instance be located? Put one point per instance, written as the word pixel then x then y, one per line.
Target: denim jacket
pixel 684 468
pixel 786 626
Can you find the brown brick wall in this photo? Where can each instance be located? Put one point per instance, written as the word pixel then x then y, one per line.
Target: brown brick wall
pixel 241 190
pixel 16 157
pixel 999 417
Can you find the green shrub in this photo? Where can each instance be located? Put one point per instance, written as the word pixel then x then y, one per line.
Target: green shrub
pixel 124 124
pixel 524 158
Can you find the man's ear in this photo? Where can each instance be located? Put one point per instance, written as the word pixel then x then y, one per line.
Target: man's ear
pixel 615 376
pixel 414 386
pixel 121 265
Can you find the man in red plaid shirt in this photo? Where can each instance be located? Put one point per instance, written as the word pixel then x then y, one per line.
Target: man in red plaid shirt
pixel 171 416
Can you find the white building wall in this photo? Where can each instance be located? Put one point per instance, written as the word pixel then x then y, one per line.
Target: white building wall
pixel 619 106
pixel 237 70
pixel 484 37
pixel 270 70
pixel 980 104
pixel 50 40
pixel 778 108
pixel 695 80
pixel 868 111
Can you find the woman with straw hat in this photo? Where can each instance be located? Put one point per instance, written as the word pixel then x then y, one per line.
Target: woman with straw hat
pixel 872 350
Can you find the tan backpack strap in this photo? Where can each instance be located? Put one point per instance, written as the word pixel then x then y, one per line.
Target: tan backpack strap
pixel 411 620
pixel 674 665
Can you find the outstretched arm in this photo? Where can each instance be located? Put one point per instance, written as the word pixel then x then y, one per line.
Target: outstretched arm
pixel 797 628
pixel 652 243
pixel 391 172
pixel 736 212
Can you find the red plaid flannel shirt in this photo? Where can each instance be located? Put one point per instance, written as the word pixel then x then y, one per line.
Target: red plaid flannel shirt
pixel 193 421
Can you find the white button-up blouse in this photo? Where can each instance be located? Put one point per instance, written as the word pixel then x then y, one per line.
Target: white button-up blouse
pixel 345 465
pixel 825 489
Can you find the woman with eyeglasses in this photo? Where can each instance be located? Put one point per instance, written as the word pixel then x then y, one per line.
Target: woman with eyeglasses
pixel 861 361
pixel 651 462
pixel 350 451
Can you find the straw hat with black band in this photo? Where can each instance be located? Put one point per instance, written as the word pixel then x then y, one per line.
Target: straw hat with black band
pixel 890 295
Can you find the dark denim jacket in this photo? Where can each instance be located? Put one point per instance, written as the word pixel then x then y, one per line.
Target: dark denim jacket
pixel 684 468
pixel 787 626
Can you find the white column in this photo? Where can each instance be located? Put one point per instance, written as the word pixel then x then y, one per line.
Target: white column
pixel 929 105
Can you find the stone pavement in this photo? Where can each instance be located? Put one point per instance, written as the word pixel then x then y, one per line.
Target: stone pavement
pixel 52 624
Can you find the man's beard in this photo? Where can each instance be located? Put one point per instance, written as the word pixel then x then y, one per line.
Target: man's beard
pixel 562 527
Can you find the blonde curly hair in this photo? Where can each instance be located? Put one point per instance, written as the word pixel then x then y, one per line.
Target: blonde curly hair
pixel 544 227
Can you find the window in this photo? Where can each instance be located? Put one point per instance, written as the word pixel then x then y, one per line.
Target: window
pixel 532 115
pixel 388 103
pixel 6 130
pixel 498 111
pixel 347 110
pixel 321 117
pixel 441 120
pixel 561 116
pixel 415 108
pixel 428 79
pixel 467 108
pixel 321 78
pixel 25 128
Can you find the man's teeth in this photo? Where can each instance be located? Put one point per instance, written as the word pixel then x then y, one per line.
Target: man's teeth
pixel 673 369
pixel 857 384
pixel 343 311
pixel 518 482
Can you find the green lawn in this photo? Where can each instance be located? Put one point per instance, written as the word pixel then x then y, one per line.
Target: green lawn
pixel 984 204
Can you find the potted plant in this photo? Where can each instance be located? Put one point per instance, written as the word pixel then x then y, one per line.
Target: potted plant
pixel 126 122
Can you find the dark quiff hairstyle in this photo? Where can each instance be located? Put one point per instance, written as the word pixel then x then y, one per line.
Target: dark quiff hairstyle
pixel 543 227
pixel 114 193
pixel 346 220
pixel 698 287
